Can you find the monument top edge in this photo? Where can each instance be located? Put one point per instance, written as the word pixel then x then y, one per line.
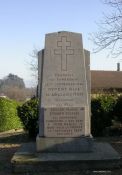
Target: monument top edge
pixel 63 32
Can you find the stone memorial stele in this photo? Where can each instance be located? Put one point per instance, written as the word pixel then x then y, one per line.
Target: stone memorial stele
pixel 64 93
pixel 64 144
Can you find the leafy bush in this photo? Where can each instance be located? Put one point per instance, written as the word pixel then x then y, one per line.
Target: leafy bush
pixel 28 114
pixel 103 112
pixel 117 110
pixel 108 102
pixel 8 115
pixel 101 118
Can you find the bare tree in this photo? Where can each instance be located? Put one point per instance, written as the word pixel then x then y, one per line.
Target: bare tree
pixel 109 33
pixel 34 63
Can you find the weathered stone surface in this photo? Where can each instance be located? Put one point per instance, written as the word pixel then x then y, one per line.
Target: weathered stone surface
pixel 64 121
pixel 40 71
pixel 64 84
pixel 103 157
pixel 64 76
pixel 88 78
pixel 64 145
pixel 40 78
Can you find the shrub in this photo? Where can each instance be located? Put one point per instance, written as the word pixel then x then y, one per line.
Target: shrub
pixel 101 118
pixel 8 115
pixel 102 109
pixel 108 102
pixel 96 117
pixel 117 110
pixel 28 114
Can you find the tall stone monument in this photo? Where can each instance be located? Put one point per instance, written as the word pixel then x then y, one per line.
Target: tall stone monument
pixel 64 144
pixel 64 92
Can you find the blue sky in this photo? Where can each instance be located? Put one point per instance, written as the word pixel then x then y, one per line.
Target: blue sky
pixel 24 23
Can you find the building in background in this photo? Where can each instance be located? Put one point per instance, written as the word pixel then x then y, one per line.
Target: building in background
pixel 107 81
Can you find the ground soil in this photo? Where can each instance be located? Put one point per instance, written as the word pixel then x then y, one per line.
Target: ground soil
pixel 11 141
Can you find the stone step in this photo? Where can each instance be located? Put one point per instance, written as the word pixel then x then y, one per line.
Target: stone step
pixel 27 159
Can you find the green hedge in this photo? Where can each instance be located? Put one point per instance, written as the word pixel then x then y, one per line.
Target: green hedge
pixel 28 113
pixel 104 110
pixel 117 110
pixel 102 114
pixel 8 115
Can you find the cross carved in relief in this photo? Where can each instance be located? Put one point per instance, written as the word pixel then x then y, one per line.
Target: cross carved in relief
pixel 64 50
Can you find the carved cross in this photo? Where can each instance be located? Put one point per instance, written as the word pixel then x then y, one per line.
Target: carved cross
pixel 64 51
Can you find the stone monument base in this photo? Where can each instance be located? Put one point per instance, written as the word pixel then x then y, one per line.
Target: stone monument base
pixel 60 145
pixel 27 160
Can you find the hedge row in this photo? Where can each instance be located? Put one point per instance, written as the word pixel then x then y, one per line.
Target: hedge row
pixel 102 116
pixel 8 115
pixel 106 111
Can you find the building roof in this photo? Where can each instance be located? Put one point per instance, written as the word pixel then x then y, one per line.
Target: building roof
pixel 106 79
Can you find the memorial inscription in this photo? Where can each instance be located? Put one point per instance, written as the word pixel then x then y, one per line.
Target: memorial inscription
pixel 64 122
pixel 64 85
pixel 64 107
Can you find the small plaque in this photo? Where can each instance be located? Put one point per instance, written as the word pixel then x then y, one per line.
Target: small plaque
pixel 64 122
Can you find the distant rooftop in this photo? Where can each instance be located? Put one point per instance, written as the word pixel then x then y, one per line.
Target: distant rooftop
pixel 106 79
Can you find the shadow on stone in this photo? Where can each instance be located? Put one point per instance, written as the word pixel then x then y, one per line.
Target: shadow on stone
pixel 55 145
pixel 27 159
